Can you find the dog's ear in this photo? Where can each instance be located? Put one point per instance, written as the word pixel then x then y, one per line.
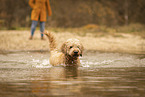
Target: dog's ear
pixel 82 48
pixel 63 47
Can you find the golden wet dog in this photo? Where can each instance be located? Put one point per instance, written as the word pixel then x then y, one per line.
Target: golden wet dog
pixel 70 52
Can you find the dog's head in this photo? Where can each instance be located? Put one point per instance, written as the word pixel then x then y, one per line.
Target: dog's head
pixel 72 47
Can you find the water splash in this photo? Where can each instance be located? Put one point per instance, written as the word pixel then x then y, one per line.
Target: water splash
pixel 84 63
pixel 41 63
pixel 91 63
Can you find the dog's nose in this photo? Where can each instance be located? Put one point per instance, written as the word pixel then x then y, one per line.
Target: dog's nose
pixel 75 52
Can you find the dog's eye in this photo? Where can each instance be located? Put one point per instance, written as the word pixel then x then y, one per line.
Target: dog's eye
pixel 78 47
pixel 70 47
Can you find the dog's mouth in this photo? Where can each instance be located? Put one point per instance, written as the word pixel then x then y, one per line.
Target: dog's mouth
pixel 76 54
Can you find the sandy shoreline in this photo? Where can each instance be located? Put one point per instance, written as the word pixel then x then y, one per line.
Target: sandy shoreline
pixel 18 41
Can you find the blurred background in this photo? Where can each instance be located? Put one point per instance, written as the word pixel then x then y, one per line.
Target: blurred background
pixel 75 13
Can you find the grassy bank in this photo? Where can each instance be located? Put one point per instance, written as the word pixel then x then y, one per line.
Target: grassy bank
pixel 118 39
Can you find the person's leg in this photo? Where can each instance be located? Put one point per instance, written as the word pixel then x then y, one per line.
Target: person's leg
pixel 33 27
pixel 42 28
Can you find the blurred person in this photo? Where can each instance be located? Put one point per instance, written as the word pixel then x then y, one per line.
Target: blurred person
pixel 39 13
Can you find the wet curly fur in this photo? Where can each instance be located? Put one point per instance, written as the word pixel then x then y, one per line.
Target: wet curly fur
pixel 70 52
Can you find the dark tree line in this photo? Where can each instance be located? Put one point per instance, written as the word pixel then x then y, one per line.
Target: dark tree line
pixel 75 13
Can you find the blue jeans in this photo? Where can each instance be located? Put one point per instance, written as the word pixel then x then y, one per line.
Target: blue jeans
pixel 33 27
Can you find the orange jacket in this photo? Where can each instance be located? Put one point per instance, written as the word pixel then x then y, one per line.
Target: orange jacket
pixel 39 9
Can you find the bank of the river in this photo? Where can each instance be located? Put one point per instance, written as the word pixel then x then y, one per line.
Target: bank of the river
pixel 13 40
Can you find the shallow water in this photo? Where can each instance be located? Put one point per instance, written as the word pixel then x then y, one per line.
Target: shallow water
pixel 29 74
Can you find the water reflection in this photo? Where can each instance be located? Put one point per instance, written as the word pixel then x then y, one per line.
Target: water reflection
pixel 70 81
pixel 59 81
pixel 65 73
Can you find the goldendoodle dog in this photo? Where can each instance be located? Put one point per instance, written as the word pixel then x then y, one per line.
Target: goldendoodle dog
pixel 70 51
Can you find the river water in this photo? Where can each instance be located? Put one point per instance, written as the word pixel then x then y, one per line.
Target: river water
pixel 29 74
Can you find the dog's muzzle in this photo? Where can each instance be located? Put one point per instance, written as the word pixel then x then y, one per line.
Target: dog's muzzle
pixel 76 54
